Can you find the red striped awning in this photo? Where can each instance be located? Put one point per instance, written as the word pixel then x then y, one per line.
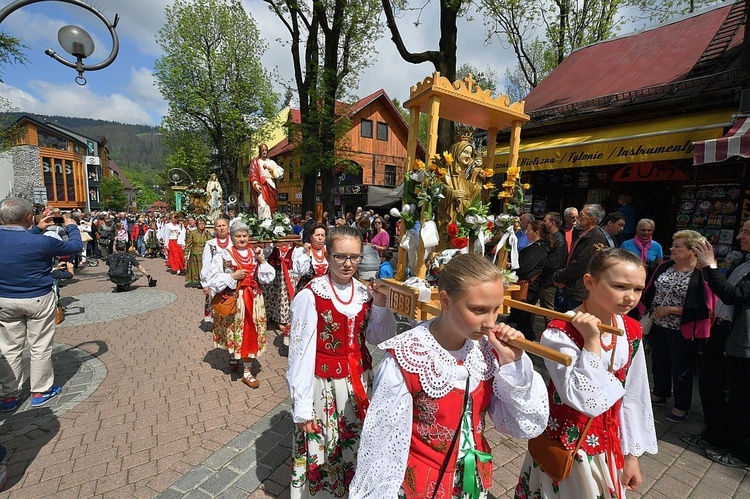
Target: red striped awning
pixel 735 143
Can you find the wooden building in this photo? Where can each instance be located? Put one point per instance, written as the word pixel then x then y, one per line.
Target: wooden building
pixel 373 154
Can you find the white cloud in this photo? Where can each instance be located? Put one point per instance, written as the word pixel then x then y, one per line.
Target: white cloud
pixel 144 90
pixel 73 100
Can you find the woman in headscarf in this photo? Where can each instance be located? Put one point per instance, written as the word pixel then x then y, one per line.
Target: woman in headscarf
pixel 643 245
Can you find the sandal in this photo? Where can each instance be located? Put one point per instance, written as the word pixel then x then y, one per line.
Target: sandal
pixel 695 440
pixel 658 401
pixel 725 458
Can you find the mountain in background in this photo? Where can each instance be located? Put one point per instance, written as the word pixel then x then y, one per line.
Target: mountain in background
pixel 137 149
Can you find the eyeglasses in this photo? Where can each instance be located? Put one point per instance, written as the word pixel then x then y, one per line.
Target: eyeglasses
pixel 341 259
pixel 378 223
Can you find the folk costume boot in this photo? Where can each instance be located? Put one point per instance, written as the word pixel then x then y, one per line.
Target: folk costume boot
pixel 248 378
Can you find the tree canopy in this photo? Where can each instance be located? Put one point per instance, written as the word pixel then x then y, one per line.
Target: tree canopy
pixel 330 43
pixel 212 78
pixel 113 195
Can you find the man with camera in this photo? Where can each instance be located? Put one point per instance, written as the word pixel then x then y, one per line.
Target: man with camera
pixel 27 301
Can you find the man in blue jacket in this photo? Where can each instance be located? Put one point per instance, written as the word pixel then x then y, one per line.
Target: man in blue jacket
pixel 27 301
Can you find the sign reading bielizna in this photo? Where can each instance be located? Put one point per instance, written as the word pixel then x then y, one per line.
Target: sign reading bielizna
pixel 656 140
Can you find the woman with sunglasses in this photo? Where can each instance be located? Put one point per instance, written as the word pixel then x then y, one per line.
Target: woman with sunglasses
pixel 330 368
pixel 380 239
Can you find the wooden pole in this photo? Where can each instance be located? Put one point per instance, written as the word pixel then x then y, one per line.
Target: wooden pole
pixel 552 314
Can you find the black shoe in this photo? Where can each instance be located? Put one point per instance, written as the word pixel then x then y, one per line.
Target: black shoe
pixel 695 439
pixel 725 458
pixel 120 288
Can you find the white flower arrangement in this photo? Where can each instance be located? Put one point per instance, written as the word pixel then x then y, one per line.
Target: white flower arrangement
pixel 270 228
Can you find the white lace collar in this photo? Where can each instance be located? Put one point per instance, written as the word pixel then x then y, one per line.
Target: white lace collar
pixel 321 286
pixel 418 352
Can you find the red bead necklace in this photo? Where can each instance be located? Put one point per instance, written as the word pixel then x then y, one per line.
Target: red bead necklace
pixel 333 288
pixel 243 260
pixel 223 245
pixel 318 256
pixel 612 339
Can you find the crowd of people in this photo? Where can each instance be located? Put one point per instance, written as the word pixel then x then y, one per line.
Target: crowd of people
pixel 414 427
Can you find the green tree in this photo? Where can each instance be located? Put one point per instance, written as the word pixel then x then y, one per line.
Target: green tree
pixel 113 195
pixel 444 58
pixel 487 79
pixel 212 78
pixel 663 10
pixel 11 52
pixel 331 42
pixel 543 32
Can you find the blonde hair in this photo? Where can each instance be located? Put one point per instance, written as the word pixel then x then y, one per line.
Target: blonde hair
pixel 465 271
pixel 690 237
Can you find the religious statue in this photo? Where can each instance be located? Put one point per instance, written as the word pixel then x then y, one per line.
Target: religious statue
pixel 463 184
pixel 263 172
pixel 215 192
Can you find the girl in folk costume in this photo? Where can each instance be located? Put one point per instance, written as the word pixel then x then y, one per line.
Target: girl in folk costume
pixel 330 373
pixel 310 260
pixel 222 242
pixel 603 396
pixel 174 233
pixel 241 268
pixel 280 292
pixel 423 436
pixel 151 238
pixel 194 244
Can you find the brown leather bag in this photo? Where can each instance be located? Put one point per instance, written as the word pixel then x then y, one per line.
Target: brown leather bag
pixel 552 456
pixel 59 314
pixel 224 303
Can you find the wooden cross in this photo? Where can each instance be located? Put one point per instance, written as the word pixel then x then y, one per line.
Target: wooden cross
pixel 470 81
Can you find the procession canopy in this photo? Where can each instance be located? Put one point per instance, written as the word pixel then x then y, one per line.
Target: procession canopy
pixel 464 102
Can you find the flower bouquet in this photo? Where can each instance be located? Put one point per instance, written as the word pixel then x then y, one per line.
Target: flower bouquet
pixel 270 228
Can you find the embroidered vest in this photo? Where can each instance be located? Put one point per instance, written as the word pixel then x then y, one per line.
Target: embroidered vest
pixel 433 425
pixel 337 348
pixel 603 435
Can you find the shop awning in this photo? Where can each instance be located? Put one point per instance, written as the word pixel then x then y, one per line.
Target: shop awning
pixel 652 140
pixel 735 143
pixel 384 196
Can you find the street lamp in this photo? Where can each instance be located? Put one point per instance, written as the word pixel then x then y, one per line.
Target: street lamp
pixel 74 40
pixel 176 176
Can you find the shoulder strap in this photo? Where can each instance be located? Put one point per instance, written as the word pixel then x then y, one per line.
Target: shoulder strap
pixel 448 456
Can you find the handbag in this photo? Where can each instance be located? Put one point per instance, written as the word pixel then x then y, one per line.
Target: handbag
pixel 86 237
pixel 59 314
pixel 646 322
pixel 551 455
pixel 224 304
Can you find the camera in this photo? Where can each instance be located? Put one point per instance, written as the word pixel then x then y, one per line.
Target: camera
pixel 57 220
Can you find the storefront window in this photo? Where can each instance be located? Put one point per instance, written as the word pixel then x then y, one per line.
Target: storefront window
pixel 59 179
pixel 51 141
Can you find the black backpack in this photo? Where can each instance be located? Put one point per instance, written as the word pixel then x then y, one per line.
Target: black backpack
pixel 120 266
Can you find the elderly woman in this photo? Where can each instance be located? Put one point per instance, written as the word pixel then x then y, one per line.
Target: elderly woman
pixel 681 305
pixel 239 270
pixel 643 245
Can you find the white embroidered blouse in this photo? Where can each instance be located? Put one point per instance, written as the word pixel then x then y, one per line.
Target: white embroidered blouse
pixel 588 387
pixel 519 405
pixel 303 336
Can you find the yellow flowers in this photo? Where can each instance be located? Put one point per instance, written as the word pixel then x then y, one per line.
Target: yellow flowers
pixel 432 166
pixel 418 165
pixel 448 157
pixel 526 186
pixel 488 186
pixel 513 171
pixel 442 172
pixel 503 195
pixel 488 172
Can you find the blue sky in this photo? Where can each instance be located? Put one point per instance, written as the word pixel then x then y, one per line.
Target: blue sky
pixel 125 90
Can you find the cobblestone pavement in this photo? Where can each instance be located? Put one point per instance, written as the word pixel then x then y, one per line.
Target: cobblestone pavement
pixel 150 409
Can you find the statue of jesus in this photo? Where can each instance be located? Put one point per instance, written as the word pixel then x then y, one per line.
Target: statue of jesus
pixel 263 172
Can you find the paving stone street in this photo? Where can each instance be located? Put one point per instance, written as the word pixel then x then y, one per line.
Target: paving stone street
pixel 150 409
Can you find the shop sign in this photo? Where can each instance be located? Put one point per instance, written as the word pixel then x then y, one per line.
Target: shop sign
pixel 641 172
pixel 298 196
pixel 352 189
pixel 283 196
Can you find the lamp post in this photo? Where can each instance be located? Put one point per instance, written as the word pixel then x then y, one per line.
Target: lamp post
pixel 176 176
pixel 74 40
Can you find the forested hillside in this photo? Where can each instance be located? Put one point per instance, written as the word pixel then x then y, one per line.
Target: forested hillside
pixel 137 149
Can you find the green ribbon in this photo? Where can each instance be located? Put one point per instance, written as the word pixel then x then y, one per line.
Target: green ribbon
pixel 469 458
